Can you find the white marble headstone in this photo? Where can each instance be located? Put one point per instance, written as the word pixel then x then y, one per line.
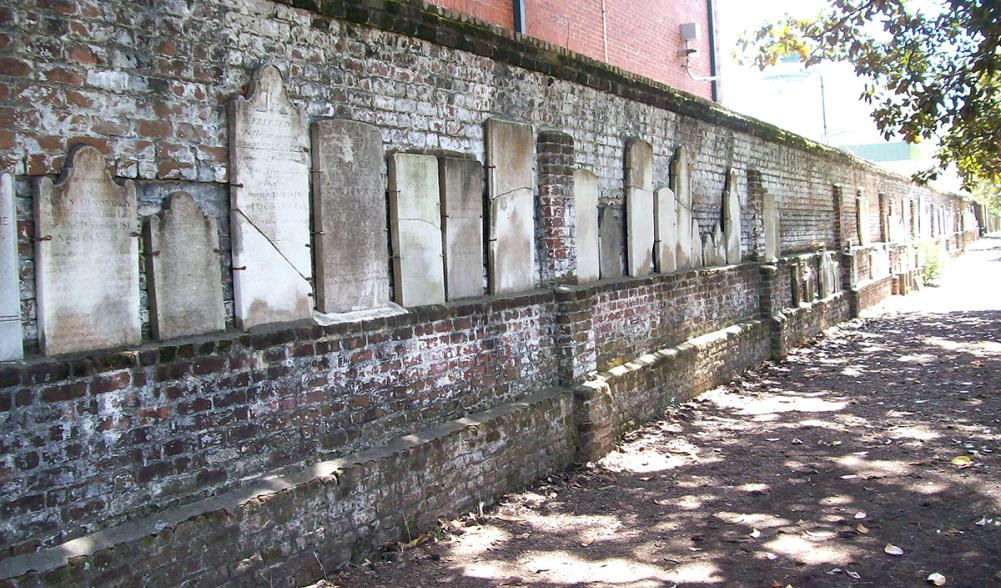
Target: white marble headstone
pixel 639 208
pixel 461 184
pixel 665 230
pixel 10 295
pixel 639 231
pixel 184 272
pixel 269 203
pixel 610 230
pixel 695 252
pixel 415 225
pixel 349 214
pixel 771 222
pixel 681 183
pixel 731 219
pixel 586 208
pixel 862 219
pixel 511 255
pixel 86 258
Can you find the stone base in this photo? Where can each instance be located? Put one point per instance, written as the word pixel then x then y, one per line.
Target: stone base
pixel 794 327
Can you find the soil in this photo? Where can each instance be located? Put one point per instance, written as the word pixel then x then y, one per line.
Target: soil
pixel 871 457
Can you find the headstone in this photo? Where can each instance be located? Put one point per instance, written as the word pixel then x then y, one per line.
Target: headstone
pixel 511 255
pixel 862 220
pixel 719 245
pixel 269 202
pixel 349 217
pixel 586 207
pixel 829 274
pixel 415 226
pixel 86 258
pixel 610 229
pixel 639 165
pixel 639 208
pixel 695 252
pixel 665 230
pixel 184 272
pixel 708 251
pixel 731 219
pixel 461 182
pixel 10 291
pixel 771 222
pixel 681 183
pixel 639 231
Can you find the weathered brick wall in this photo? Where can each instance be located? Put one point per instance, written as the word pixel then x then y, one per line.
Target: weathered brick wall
pixel 88 441
pixel 637 316
pixel 91 440
pixel 627 396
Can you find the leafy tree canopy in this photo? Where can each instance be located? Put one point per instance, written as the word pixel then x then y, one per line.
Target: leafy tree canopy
pixel 932 70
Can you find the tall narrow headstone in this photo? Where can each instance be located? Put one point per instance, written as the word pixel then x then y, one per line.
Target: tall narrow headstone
pixel 86 258
pixel 639 208
pixel 771 222
pixel 511 255
pixel 610 229
pixel 461 185
pixel 10 296
pixel 415 225
pixel 269 203
pixel 862 220
pixel 681 183
pixel 185 278
pixel 695 252
pixel 586 207
pixel 709 251
pixel 349 217
pixel 665 218
pixel 731 219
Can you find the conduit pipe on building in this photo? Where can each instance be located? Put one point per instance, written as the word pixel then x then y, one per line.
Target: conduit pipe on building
pixel 519 16
pixel 604 30
pixel 710 8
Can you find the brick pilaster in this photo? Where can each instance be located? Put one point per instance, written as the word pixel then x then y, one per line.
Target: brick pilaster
pixel 555 209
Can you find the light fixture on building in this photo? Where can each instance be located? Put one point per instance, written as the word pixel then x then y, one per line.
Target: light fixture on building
pixel 690 34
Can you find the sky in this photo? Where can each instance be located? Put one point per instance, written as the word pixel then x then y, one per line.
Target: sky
pixel 787 96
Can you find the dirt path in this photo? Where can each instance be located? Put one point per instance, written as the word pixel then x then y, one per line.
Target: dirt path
pixel 799 473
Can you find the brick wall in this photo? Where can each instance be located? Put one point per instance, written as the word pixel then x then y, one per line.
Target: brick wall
pixel 639 37
pixel 92 440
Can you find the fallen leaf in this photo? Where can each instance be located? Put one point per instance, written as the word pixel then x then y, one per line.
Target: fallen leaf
pixel 854 575
pixel 586 542
pixel 862 529
pixel 893 549
pixel 834 571
pixel 849 477
pixel 510 518
pixel 755 533
pixel 937 579
pixel 963 461
pixel 797 442
pixel 511 581
pixel 860 515
pixel 522 536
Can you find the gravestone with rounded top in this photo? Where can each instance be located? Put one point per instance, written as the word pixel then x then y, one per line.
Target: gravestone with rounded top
pixel 269 204
pixel 184 272
pixel 86 258
pixel 665 230
pixel 639 208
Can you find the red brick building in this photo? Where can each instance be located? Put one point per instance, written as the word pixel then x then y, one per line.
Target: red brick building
pixel 640 36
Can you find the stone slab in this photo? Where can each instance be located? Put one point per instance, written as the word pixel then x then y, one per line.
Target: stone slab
pixel 731 219
pixel 770 214
pixel 10 283
pixel 610 230
pixel 665 217
pixel 639 165
pixel 681 184
pixel 184 271
pixel 86 258
pixel 415 226
pixel 461 185
pixel 639 231
pixel 695 251
pixel 511 255
pixel 587 236
pixel 862 219
pixel 351 244
pixel 269 203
